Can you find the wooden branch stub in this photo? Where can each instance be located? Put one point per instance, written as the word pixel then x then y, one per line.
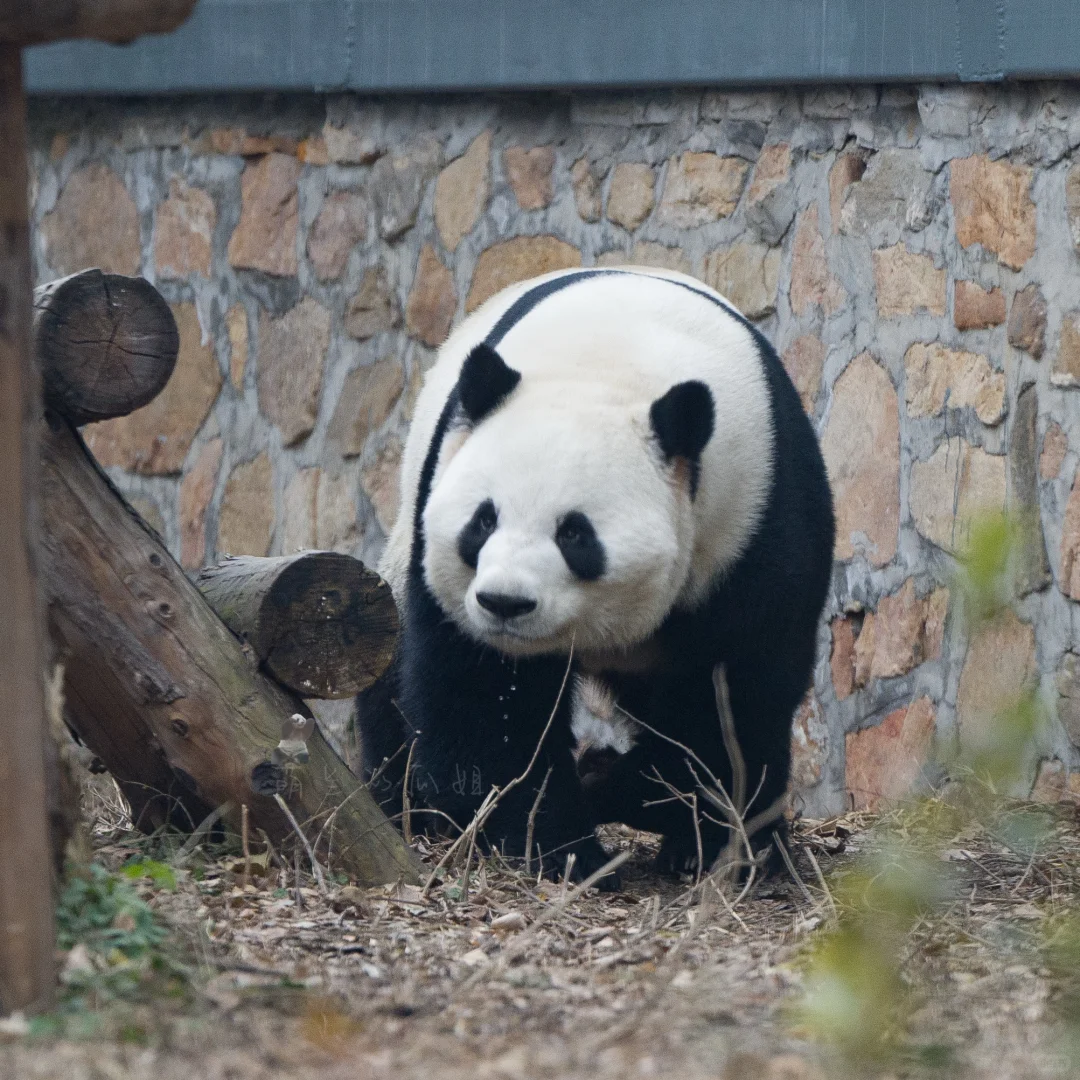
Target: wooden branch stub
pixel 106 344
pixel 322 623
pixel 31 22
pixel 160 689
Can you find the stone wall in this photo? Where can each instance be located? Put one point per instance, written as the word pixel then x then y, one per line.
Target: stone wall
pixel 911 252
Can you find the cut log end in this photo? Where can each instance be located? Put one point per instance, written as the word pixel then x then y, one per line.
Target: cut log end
pixel 322 623
pixel 106 344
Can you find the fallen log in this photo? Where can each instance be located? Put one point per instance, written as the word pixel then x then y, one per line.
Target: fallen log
pixel 106 344
pixel 321 623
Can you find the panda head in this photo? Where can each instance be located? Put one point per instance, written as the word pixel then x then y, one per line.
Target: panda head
pixel 562 515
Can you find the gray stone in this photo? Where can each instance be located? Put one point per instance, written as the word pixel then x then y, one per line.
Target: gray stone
pixel 398 182
pixel 891 196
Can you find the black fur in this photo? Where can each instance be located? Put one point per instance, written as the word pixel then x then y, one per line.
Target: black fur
pixel 484 382
pixel 580 546
pixel 475 535
pixel 476 716
pixel 682 421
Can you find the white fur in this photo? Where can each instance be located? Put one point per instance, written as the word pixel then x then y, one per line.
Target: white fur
pixel 596 722
pixel 575 434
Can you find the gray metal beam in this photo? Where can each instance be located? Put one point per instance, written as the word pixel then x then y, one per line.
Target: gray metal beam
pixel 423 45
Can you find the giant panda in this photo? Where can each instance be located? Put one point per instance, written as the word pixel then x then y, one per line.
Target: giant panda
pixel 609 477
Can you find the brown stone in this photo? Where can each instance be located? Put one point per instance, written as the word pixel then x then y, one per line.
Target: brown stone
pixel 237 142
pixel 842 657
pixel 1067 681
pixel 183 232
pixel 350 144
pixel 809 741
pixel 313 151
pixel 955 486
pixel 265 238
pixel 374 309
pixel 992 206
pixel 748 275
pixel 1051 782
pixel 196 491
pixel 94 223
pixel 648 253
pixel 1069 574
pixel 366 401
pixel 998 669
pixel 773 169
pixel 862 453
pixel 804 360
pixel 848 169
pixel 938 376
pixel 1067 362
pixel 1027 321
pixel 529 173
pixel 701 187
pixel 631 199
pixel 320 513
pixel 903 633
pixel 155 439
pixel 58 148
pixel 246 520
pixel 1055 447
pixel 292 352
pixel 1029 565
pixel 885 762
pixel 907 283
pixel 461 192
pixel 149 510
pixel 812 283
pixel 432 303
pixel 515 260
pixel 340 226
pixel 398 183
pixel 587 181
pixel 976 308
pixel 236 325
pixel 380 482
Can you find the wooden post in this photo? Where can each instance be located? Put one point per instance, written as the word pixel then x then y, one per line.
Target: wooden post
pixel 26 928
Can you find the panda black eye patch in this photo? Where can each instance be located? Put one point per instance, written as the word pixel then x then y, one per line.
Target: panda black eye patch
pixel 580 546
pixel 475 535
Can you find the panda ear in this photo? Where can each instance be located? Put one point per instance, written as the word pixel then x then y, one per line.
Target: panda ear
pixel 682 421
pixel 484 382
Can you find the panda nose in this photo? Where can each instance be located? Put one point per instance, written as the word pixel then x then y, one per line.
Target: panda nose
pixel 506 607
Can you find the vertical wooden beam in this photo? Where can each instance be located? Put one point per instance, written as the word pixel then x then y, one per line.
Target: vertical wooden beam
pixel 26 910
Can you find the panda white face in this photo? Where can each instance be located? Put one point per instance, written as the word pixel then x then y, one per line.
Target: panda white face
pixel 557 524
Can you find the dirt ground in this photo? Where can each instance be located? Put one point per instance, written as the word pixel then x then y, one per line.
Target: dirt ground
pixel 521 979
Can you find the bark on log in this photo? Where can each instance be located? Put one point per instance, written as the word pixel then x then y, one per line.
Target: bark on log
pixel 322 623
pixel 29 22
pixel 163 692
pixel 106 344
pixel 26 930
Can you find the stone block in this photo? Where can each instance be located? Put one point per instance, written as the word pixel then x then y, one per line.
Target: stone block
pixel 265 238
pixel 748 275
pixel 630 199
pixel 461 192
pixel 809 744
pixel 937 376
pixel 587 180
pixel 812 283
pixel 907 283
pixel 352 144
pixel 236 326
pixel 1055 447
pixel 804 360
pixel 1027 321
pixel 951 489
pixel 94 223
pixel 891 196
pixel 1066 370
pixel 976 308
pixel 320 513
pixel 432 303
pixel 381 484
pixel 196 491
pixel 340 226
pixel 846 170
pixel 700 188
pixel 906 630
pixel 649 253
pixel 842 657
pixel 773 169
pixel 398 183
pixel 1067 681
pixel 367 399
pixel 155 439
pixel 1030 568
pixel 1072 203
pixel 992 206
pixel 292 354
pixel 530 175
pixel 861 446
pixel 246 518
pixel 884 763
pixel 374 309
pixel 183 232
pixel 949 110
pixel 516 260
pixel 1069 570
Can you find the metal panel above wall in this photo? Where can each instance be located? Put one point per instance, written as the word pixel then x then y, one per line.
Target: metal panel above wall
pixel 422 45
